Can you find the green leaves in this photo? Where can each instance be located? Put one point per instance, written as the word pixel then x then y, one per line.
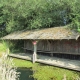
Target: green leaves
pixel 33 14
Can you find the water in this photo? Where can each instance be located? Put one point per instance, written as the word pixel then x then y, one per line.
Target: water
pixel 25 74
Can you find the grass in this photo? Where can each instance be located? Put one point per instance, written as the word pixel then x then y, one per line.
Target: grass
pixel 22 63
pixel 45 72
pixel 3 47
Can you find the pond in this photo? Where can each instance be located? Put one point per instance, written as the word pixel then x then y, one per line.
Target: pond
pixel 25 74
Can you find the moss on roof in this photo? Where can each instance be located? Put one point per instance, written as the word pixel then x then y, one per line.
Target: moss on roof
pixel 48 33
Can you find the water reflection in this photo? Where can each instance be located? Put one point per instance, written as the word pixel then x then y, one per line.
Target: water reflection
pixel 25 74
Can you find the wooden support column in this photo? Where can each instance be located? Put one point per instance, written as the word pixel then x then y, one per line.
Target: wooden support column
pixel 35 51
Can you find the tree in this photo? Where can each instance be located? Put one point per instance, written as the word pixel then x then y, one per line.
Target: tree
pixel 36 14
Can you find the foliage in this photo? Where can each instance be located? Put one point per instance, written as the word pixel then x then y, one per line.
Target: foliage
pixel 3 47
pixel 52 73
pixel 7 72
pixel 35 14
pixel 16 46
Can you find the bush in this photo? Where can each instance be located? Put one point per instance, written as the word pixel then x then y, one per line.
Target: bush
pixel 3 47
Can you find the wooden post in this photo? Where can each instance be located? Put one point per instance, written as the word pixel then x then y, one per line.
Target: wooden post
pixel 35 51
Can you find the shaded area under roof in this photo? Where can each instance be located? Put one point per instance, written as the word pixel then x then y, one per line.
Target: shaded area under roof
pixel 48 33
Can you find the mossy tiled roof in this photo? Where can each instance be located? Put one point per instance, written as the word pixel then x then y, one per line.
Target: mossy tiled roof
pixel 48 33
